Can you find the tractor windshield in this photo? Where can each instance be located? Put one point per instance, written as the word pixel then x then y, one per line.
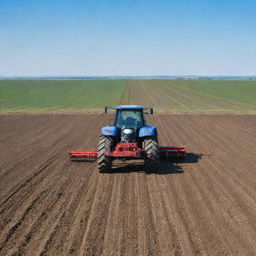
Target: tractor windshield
pixel 129 119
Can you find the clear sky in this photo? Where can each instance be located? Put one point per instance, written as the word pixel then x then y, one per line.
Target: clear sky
pixel 133 37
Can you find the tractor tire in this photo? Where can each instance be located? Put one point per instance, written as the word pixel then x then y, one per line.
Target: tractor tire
pixel 152 154
pixel 105 145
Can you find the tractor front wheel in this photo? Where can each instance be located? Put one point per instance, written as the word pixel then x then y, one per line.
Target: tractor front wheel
pixel 152 154
pixel 105 145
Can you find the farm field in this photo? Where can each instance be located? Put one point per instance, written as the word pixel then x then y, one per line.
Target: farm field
pixel 190 96
pixel 51 206
pixel 55 95
pixel 167 96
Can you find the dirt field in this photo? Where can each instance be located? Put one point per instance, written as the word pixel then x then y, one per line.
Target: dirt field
pixel 51 206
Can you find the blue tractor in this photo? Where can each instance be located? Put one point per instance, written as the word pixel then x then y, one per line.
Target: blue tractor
pixel 128 138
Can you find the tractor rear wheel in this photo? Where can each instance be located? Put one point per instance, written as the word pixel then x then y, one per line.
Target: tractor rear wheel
pixel 152 154
pixel 105 145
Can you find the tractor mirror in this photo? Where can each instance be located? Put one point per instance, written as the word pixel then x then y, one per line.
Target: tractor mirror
pixel 106 109
pixel 151 111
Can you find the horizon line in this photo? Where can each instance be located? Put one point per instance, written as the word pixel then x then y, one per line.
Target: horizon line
pixel 84 77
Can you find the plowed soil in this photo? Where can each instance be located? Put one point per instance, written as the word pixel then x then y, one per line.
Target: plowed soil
pixel 51 206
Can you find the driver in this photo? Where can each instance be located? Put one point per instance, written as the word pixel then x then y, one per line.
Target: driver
pixel 127 120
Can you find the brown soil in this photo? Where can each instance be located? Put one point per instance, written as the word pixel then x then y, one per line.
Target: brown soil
pixel 51 206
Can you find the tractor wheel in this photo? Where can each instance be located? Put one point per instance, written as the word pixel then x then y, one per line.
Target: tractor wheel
pixel 105 145
pixel 152 154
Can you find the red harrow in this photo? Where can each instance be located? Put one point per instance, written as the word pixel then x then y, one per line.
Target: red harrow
pixel 128 151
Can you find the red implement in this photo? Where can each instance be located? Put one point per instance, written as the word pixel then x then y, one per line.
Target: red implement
pixel 127 150
pixel 172 151
pixel 89 156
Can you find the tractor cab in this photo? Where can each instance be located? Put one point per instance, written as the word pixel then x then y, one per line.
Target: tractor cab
pixel 129 125
pixel 129 118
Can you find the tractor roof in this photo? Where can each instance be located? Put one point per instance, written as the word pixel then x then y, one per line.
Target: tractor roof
pixel 133 107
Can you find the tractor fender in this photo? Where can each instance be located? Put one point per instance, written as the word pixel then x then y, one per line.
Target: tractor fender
pixel 109 130
pixel 148 131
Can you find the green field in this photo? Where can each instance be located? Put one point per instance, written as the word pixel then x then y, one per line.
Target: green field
pixel 59 95
pixel 176 96
pixel 211 96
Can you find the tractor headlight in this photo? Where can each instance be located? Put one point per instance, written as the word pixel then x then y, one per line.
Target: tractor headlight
pixel 128 135
pixel 127 131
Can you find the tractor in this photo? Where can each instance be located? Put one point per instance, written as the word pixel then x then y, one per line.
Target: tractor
pixel 128 138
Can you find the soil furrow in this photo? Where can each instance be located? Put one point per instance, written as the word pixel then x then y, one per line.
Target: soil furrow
pixel 205 205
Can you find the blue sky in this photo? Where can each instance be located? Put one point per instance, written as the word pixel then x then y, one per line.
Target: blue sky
pixel 133 37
